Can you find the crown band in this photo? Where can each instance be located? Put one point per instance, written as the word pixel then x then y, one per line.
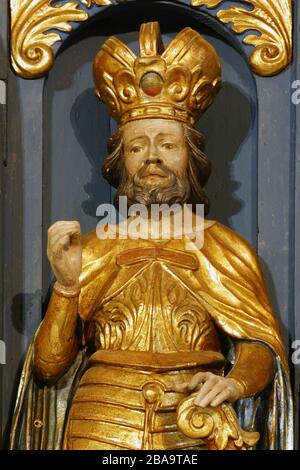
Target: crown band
pixel 156 110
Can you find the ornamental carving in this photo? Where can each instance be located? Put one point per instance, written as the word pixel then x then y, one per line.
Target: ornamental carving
pixel 272 19
pixel 36 27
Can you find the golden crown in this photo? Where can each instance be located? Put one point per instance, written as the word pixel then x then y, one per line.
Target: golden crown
pixel 179 82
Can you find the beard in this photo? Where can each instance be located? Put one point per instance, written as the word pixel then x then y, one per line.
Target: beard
pixel 170 189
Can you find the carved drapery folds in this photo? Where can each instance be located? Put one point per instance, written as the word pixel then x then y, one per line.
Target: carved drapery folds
pixel 35 26
pixel 272 19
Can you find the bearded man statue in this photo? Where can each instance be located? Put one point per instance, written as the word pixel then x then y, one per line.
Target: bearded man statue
pixel 146 342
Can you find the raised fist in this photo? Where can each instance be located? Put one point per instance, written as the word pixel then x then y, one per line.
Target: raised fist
pixel 64 251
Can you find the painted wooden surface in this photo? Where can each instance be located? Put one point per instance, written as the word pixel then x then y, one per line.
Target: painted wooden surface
pixel 2 159
pixel 56 141
pixel 295 222
pixel 3 91
pixel 3 39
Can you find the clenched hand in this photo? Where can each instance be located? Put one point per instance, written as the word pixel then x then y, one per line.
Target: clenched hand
pixel 65 252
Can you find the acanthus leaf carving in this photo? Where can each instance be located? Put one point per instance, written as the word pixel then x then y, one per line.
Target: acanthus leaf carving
pixel 272 19
pixel 33 31
pixel 35 26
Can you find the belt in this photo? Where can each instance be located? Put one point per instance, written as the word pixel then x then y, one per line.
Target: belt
pixel 160 361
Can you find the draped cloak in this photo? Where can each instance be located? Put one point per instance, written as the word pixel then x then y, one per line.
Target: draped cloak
pixel 230 286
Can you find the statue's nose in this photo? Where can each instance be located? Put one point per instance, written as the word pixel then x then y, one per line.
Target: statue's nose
pixel 153 160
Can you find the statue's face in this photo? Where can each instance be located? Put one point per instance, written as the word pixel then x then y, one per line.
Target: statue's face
pixel 155 143
pixel 155 157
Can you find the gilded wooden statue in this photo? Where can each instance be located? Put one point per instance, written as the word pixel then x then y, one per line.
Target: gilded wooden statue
pixel 146 342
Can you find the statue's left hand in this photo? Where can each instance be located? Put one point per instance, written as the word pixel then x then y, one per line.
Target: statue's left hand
pixel 213 389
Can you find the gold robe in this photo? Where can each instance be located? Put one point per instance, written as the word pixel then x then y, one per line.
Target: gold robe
pixel 222 279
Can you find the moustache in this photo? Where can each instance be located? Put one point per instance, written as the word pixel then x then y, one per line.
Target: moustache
pixel 153 169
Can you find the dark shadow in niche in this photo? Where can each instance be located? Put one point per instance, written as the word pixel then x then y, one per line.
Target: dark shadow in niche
pixel 287 334
pixel 226 125
pixel 270 286
pixel 89 120
pixel 24 306
pixel 12 246
pixel 171 17
pixel 23 314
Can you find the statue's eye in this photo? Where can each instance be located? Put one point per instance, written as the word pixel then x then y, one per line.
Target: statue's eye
pixel 168 145
pixel 136 149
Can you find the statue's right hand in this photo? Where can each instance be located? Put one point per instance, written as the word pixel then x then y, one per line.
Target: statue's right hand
pixel 64 251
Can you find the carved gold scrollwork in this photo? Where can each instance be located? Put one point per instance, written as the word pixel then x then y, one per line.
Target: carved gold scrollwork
pixel 272 19
pixel 32 31
pixel 218 427
pixel 33 25
pixel 100 3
